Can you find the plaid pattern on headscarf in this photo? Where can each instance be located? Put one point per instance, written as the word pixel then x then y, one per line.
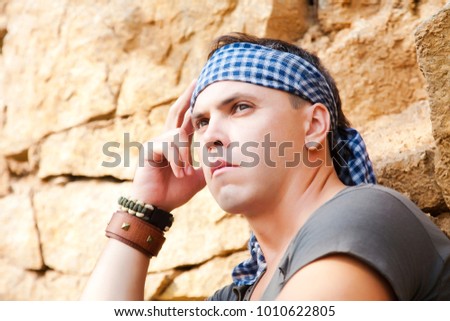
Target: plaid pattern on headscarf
pixel 263 66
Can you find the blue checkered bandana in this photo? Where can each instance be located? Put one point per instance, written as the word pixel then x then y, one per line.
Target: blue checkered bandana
pixel 263 66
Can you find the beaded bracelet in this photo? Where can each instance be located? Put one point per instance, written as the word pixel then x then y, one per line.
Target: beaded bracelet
pixel 147 212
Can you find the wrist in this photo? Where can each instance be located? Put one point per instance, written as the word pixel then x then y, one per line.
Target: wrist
pixel 145 195
pixel 139 225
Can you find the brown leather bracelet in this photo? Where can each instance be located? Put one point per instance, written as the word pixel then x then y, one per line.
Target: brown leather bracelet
pixel 136 233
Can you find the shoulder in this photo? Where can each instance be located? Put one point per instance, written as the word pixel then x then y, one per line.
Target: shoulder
pixel 368 208
pixel 372 199
pixel 337 277
pixel 373 225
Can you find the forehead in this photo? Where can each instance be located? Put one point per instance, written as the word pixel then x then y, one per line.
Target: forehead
pixel 224 92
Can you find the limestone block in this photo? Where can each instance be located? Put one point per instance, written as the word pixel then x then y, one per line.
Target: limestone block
pixel 443 221
pixel 55 286
pixel 2 73
pixel 401 148
pixel 72 220
pixel 433 50
pixel 59 77
pixel 430 7
pixel 16 283
pixel 203 281
pixel 24 163
pixel 147 84
pixel 374 61
pixel 102 148
pixel 70 69
pixel 338 14
pixel 23 285
pixel 414 177
pixel 2 106
pixel 3 5
pixel 374 66
pixel 161 57
pixel 157 283
pixel 158 117
pixel 20 238
pixel 4 177
pixel 25 185
pixel 161 60
pixel 287 20
pixel 201 230
pixel 88 60
pixel 389 137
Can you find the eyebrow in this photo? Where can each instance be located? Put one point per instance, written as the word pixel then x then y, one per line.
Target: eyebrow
pixel 235 96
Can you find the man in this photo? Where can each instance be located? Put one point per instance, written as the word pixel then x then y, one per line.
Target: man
pixel 276 147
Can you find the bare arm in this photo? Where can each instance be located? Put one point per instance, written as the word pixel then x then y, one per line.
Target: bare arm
pixel 167 180
pixel 334 278
pixel 119 274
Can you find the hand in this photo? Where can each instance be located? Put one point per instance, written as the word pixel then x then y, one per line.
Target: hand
pixel 167 178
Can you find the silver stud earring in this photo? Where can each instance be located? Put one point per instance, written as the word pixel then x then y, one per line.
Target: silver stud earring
pixel 312 146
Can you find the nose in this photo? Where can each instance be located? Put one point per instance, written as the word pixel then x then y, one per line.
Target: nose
pixel 216 134
pixel 215 140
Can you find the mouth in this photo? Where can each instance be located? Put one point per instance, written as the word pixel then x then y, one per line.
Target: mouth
pixel 220 165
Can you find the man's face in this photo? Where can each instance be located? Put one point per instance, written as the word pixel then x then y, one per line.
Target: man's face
pixel 251 141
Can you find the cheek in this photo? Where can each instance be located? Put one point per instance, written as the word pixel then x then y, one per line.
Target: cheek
pixel 200 151
pixel 196 154
pixel 281 151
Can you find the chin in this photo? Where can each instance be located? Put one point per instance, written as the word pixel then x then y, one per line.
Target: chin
pixel 229 200
pixel 231 208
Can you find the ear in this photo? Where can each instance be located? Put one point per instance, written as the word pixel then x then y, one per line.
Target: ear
pixel 318 125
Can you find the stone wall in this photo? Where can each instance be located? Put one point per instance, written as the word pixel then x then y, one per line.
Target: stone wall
pixel 76 74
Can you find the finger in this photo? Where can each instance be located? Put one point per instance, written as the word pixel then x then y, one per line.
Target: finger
pixel 183 150
pixel 186 132
pixel 172 153
pixel 156 150
pixel 196 180
pixel 187 125
pixel 154 155
pixel 174 160
pixel 179 108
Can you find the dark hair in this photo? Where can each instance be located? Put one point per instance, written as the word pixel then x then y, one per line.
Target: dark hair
pixel 280 45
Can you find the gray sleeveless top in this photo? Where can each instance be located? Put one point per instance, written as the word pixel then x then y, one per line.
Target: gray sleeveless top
pixel 378 226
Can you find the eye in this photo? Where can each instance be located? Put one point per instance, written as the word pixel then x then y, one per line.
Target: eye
pixel 201 123
pixel 241 107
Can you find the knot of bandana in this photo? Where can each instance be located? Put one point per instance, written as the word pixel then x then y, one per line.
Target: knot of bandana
pixel 248 271
pixel 263 66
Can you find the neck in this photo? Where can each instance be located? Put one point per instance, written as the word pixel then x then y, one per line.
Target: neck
pixel 290 208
